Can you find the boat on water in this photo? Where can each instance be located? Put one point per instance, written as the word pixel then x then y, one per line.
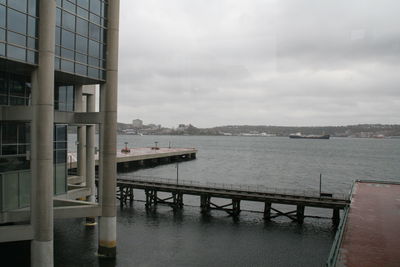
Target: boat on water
pixel 311 136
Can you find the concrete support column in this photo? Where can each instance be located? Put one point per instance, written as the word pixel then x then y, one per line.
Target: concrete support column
pixel 81 136
pixel 42 139
pixel 90 150
pixel 90 157
pixel 108 138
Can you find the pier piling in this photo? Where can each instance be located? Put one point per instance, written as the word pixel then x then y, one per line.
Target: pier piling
pixel 300 214
pixel 267 211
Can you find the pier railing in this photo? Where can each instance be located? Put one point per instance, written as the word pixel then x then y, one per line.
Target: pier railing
pixel 234 187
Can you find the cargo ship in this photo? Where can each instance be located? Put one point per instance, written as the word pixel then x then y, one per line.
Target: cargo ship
pixel 301 136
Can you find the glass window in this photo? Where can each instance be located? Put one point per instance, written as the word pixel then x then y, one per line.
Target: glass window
pixel 61 132
pixel 69 6
pixel 28 92
pixel 94 18
pixel 81 26
pixel 9 150
pixel 31 57
pixel 67 66
pixel 81 44
pixel 60 177
pixel 58 17
pixel 17 88
pixel 17 101
pixel 31 43
pixel 93 62
pixel 66 53
pixel 31 26
pixel 18 4
pixel 2 16
pixel 16 21
pixel 93 48
pixel 15 52
pixel 32 7
pixel 3 85
pixel 58 51
pixel 62 97
pixel 68 21
pixel 95 7
pixel 64 101
pixel 58 36
pixel 81 58
pixel 57 63
pixel 92 72
pixel 16 38
pixel 9 133
pixel 83 13
pixel 94 31
pixel 61 156
pixel 2 35
pixel 103 9
pixel 67 39
pixel 3 99
pixel 70 98
pixel 21 149
pixel 81 69
pixel 83 3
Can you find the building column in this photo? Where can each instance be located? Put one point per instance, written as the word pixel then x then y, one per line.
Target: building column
pixel 108 138
pixel 81 134
pixel 90 157
pixel 42 128
pixel 91 150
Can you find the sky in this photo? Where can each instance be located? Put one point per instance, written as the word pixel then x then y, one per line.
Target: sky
pixel 259 62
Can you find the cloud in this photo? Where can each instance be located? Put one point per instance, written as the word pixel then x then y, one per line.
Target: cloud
pixel 259 62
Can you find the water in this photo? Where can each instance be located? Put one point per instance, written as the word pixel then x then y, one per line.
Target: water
pixel 165 238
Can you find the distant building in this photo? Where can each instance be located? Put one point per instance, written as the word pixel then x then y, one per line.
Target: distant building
pixel 182 127
pixel 137 123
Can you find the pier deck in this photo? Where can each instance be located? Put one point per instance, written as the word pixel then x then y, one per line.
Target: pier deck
pixel 234 193
pixel 371 235
pixel 143 155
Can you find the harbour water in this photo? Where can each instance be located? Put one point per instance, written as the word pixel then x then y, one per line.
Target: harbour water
pixel 186 238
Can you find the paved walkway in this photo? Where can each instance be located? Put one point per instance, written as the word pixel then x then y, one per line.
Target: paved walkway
pixel 372 232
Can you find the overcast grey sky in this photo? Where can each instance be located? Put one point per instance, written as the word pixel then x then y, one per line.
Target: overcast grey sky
pixel 259 62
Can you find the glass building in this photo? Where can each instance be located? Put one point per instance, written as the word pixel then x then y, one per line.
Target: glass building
pixel 52 54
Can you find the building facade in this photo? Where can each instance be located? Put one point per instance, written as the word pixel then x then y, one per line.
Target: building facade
pixel 52 56
pixel 137 123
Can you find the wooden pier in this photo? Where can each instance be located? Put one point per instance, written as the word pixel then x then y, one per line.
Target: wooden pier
pixel 144 156
pixel 233 193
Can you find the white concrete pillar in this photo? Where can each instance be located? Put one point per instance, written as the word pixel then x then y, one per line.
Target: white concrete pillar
pixel 42 139
pixel 90 150
pixel 108 138
pixel 81 134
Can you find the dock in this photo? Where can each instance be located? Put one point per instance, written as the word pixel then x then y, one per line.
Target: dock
pixel 369 234
pixel 234 194
pixel 144 156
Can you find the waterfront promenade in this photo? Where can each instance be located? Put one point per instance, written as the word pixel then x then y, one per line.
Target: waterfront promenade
pixel 369 233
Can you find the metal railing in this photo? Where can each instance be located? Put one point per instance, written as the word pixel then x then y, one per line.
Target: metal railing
pixel 234 187
pixel 335 249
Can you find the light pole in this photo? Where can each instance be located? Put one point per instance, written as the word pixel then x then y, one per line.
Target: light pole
pixel 320 183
